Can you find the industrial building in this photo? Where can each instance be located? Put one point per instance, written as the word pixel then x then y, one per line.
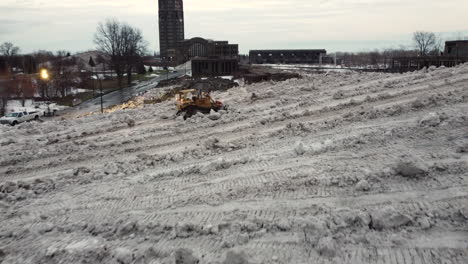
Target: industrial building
pixel 405 64
pixel 306 56
pixel 455 53
pixel 456 48
pixel 171 27
pixel 206 67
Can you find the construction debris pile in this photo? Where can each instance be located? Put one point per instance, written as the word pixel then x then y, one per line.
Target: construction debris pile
pixel 207 84
pixel 255 74
pixel 328 168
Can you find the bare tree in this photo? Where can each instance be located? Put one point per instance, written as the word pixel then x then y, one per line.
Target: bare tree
pixel 4 91
pixel 63 67
pixel 29 64
pixel 122 43
pixel 3 66
pixel 375 58
pixel 5 78
pixel 28 88
pixel 22 87
pixel 103 62
pixel 134 48
pixel 9 51
pixel 438 45
pixel 3 101
pixel 43 88
pixel 43 59
pixel 42 56
pixel 425 42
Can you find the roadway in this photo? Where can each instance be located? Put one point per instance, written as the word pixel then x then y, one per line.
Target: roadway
pixel 116 97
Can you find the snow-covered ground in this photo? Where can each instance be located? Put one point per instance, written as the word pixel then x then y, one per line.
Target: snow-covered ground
pixel 331 168
pixel 16 105
pixel 295 66
pixel 30 106
pixel 319 67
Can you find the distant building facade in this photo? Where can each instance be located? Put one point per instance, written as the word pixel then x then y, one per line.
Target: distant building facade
pixel 455 53
pixel 456 48
pixel 217 66
pixel 171 27
pixel 209 57
pixel 405 64
pixel 306 56
pixel 199 47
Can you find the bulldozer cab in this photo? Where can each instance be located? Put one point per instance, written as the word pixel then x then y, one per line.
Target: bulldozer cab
pixel 194 97
pixel 185 94
pixel 184 97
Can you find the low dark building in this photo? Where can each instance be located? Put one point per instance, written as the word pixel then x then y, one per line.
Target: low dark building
pixel 200 47
pixel 456 48
pixel 405 64
pixel 306 56
pixel 456 52
pixel 209 57
pixel 224 49
pixel 216 66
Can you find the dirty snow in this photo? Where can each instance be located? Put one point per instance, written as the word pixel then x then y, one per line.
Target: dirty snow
pixel 332 168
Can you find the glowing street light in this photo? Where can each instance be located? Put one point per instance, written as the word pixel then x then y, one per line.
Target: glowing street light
pixel 44 74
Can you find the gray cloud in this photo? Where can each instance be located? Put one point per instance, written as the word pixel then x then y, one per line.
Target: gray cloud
pixel 339 24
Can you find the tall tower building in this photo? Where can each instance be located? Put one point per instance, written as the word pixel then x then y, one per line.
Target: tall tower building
pixel 171 27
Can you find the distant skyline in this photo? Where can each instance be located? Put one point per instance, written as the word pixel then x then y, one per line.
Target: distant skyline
pixel 335 25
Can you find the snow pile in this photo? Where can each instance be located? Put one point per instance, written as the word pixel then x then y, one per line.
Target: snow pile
pixel 342 167
pixel 411 168
pixel 387 218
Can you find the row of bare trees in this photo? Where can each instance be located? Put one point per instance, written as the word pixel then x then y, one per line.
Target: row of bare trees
pixel 376 58
pixel 8 52
pixel 11 59
pixel 64 71
pixel 18 74
pixel 121 45
pixel 424 44
pixel 18 86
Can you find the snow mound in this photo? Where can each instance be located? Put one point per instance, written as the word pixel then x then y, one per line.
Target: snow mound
pixel 233 257
pixel 388 218
pixel 327 247
pixel 363 186
pixel 185 256
pixel 411 169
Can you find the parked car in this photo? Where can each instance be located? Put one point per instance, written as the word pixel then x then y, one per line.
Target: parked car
pixel 15 118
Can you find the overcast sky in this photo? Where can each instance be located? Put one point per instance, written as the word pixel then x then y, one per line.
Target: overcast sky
pixel 335 25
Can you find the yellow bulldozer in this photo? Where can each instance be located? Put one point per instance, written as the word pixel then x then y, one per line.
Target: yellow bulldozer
pixel 193 101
